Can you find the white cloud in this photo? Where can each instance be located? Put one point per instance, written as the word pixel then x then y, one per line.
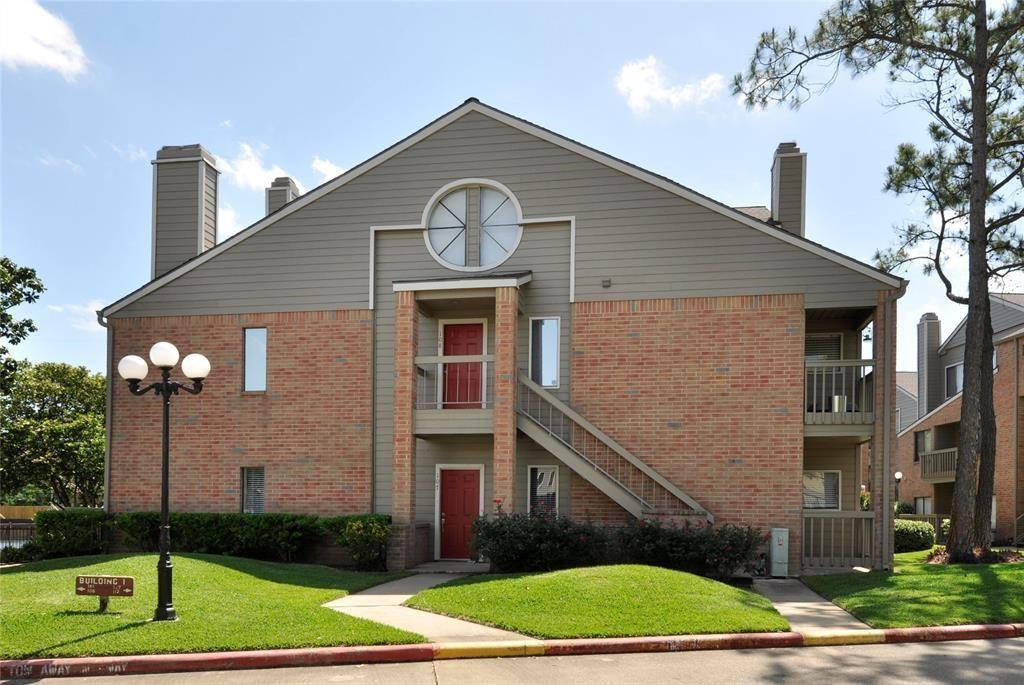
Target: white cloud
pixel 129 153
pixel 30 36
pixel 326 168
pixel 81 317
pixel 227 222
pixel 247 170
pixel 227 123
pixel 643 84
pixel 60 163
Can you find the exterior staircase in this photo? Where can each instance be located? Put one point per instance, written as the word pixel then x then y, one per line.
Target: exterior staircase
pixel 599 459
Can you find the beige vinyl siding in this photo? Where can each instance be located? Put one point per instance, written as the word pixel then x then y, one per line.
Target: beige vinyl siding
pixel 276 198
pixel 650 242
pixel 791 181
pixel 1004 317
pixel 842 459
pixel 907 404
pixel 209 207
pixel 177 213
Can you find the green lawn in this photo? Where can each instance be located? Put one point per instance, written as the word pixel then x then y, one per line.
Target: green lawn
pixel 603 601
pixel 223 603
pixel 920 594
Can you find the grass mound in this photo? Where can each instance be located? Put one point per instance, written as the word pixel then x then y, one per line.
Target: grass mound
pixel 603 601
pixel 223 603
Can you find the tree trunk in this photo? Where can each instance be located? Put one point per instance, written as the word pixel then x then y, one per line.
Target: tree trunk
pixel 977 413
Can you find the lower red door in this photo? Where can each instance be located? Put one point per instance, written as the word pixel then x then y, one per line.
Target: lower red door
pixel 460 506
pixel 463 380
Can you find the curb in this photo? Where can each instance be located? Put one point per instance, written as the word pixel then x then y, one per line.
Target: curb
pixel 335 656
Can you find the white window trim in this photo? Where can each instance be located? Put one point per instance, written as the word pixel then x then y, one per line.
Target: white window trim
pixel 558 351
pixel 839 491
pixel 469 183
pixel 441 323
pixel 266 357
pixel 834 334
pixel 529 469
pixel 945 381
pixel 437 497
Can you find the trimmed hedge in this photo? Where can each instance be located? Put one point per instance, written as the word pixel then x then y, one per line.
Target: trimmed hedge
pixel 276 537
pixel 523 542
pixel 913 536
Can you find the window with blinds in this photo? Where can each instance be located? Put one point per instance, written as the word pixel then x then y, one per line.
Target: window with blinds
pixel 822 347
pixel 821 489
pixel 543 495
pixel 252 489
pixel 922 444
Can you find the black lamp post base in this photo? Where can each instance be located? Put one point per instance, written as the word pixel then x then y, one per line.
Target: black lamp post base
pixel 165 614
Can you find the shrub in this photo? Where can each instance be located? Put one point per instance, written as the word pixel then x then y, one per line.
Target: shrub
pixel 141 529
pixel 538 542
pixel 703 549
pixel 913 536
pixel 69 533
pixel 904 508
pixel 945 528
pixel 865 500
pixel 365 536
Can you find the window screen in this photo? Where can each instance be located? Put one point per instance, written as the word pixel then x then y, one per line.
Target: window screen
pixel 954 380
pixel 544 352
pixel 252 489
pixel 255 359
pixel 825 347
pixel 543 497
pixel 821 489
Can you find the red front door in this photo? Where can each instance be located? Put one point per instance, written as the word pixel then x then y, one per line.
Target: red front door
pixel 460 506
pixel 462 387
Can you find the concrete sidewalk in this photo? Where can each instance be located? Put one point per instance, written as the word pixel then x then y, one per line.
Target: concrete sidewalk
pixel 806 610
pixel 383 604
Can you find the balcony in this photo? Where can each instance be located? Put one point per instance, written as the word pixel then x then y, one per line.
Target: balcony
pixel 938 466
pixel 454 395
pixel 839 397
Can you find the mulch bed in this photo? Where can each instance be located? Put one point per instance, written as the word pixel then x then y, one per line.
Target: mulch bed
pixel 992 556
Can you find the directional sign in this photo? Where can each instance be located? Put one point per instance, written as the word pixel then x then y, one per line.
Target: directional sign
pixel 105 586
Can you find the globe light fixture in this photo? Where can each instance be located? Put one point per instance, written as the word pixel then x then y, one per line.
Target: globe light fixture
pixel 133 369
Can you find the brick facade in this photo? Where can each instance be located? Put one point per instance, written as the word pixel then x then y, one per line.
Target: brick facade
pixel 706 391
pixel 310 430
pixel 1008 481
pixel 506 313
pixel 403 446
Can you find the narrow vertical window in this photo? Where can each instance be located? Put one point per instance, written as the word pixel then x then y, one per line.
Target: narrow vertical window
pixel 954 379
pixel 544 351
pixel 252 489
pixel 543 494
pixel 255 360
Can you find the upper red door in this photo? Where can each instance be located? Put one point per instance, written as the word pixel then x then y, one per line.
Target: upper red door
pixel 462 383
pixel 460 506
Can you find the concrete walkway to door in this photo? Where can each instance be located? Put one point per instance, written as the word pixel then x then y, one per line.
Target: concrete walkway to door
pixel 383 604
pixel 805 609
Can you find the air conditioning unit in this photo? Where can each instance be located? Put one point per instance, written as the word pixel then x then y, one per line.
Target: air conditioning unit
pixel 780 553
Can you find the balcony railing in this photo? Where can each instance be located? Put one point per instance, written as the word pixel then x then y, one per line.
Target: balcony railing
pixel 938 465
pixel 839 392
pixel 455 382
pixel 837 539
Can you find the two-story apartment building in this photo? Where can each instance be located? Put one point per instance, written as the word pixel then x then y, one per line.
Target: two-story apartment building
pixel 489 315
pixel 928 447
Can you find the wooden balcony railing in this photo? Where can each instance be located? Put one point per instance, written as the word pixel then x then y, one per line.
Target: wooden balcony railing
pixel 837 539
pixel 938 465
pixel 839 392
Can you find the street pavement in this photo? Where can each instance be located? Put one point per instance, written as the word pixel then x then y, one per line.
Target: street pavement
pixel 968 661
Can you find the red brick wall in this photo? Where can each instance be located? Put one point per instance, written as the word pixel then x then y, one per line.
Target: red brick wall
pixel 506 310
pixel 705 390
pixel 1005 391
pixel 311 429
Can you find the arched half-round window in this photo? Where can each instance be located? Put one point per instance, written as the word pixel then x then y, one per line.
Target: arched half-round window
pixel 473 225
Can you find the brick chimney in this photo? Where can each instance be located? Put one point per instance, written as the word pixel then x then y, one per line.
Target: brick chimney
pixel 184 205
pixel 282 191
pixel 930 375
pixel 789 187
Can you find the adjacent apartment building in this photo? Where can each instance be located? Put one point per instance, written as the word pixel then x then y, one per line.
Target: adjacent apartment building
pixel 928 447
pixel 490 316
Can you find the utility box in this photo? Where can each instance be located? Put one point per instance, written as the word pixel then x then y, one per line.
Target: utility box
pixel 780 553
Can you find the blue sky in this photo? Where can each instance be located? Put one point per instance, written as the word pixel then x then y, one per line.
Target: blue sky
pixel 309 89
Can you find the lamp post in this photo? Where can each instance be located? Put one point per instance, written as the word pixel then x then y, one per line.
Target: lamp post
pixel 898 476
pixel 133 369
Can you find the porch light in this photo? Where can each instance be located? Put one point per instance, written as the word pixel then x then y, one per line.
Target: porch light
pixel 195 366
pixel 132 368
pixel 163 355
pixel 898 476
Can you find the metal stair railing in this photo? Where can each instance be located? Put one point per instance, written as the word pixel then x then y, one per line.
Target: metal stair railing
pixel 654 492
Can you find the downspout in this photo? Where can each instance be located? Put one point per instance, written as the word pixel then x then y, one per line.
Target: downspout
pixel 107 421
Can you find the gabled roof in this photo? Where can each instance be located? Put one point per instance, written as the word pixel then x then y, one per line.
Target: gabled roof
pixel 474 105
pixel 907 382
pixel 1012 300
